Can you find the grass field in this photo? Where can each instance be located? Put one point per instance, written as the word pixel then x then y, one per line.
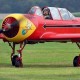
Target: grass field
pixel 48 61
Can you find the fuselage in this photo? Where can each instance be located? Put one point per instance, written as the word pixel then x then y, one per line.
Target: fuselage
pixel 69 29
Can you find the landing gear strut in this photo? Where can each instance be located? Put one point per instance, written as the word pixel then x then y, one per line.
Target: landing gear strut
pixel 76 61
pixel 17 59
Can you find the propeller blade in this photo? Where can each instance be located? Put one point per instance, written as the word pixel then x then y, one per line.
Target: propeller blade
pixel 1 31
pixel 9 26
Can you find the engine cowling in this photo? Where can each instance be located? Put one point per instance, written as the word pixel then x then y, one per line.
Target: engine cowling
pixel 17 27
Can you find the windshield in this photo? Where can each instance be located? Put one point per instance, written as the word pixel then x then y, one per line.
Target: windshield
pixel 32 10
pixel 35 10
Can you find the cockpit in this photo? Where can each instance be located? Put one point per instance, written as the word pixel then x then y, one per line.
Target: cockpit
pixel 54 13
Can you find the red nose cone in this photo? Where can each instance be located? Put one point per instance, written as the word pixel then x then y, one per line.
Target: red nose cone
pixel 10 28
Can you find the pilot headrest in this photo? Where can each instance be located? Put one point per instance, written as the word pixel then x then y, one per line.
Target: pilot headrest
pixel 46 9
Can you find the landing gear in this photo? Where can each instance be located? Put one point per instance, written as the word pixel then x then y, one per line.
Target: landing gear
pixel 17 59
pixel 76 60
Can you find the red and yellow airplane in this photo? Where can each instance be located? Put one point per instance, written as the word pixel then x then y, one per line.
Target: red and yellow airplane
pixel 49 24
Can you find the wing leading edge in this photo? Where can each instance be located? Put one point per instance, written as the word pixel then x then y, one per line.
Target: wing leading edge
pixel 52 36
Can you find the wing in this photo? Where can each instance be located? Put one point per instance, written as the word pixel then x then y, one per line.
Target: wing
pixel 52 36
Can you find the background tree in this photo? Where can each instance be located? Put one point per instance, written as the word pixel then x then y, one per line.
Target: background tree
pixel 23 6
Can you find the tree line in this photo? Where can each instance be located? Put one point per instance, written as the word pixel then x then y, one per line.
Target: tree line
pixel 23 6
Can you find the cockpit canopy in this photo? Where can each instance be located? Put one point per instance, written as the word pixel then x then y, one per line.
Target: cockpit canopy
pixel 60 13
pixel 36 10
pixel 55 13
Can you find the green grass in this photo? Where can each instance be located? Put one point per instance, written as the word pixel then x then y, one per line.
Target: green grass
pixel 48 61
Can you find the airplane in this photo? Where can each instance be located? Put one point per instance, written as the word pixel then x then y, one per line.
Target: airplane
pixel 59 25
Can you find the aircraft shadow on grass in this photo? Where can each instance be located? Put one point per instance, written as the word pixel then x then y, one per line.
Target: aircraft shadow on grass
pixel 47 65
pixel 5 65
pixel 39 65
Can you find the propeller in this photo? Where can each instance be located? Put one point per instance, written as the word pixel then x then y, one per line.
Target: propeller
pixel 9 26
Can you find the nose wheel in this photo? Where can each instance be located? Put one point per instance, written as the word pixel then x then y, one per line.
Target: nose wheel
pixel 13 59
pixel 17 59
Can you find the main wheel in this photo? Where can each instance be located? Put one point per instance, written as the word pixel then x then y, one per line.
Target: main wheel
pixel 18 62
pixel 14 59
pixel 75 61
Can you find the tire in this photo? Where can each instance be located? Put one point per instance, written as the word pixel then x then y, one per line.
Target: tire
pixel 75 61
pixel 17 62
pixel 14 59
